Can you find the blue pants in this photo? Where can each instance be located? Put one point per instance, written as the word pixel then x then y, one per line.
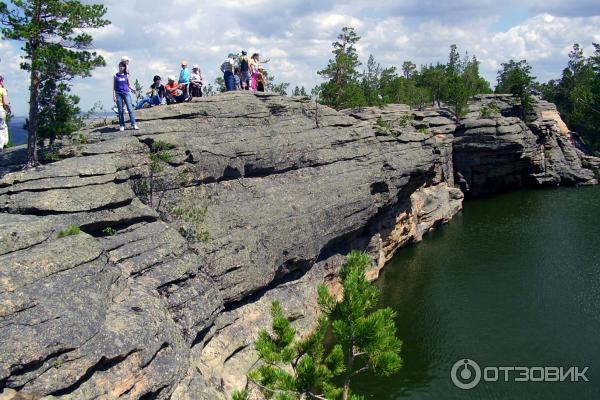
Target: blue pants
pixel 153 101
pixel 229 80
pixel 126 98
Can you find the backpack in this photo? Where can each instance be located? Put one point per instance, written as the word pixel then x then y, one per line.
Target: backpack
pixel 244 67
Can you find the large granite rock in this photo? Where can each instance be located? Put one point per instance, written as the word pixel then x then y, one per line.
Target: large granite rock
pixel 190 227
pixel 496 150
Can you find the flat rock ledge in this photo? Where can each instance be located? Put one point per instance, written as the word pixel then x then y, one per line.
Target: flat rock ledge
pixel 190 227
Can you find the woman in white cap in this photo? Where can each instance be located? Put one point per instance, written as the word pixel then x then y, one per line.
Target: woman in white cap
pixel 196 81
pixel 126 60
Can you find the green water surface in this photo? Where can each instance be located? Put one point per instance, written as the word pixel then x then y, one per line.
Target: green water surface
pixel 514 280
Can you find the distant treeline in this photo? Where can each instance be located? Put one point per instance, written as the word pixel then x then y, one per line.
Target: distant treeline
pixel 577 94
pixel 455 82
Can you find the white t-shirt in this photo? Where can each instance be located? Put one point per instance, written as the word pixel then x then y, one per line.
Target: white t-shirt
pixel 196 76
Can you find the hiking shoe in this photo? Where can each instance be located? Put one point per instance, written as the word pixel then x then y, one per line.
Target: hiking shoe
pixel 135 127
pixel 121 128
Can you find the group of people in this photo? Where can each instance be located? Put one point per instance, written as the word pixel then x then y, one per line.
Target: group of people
pixel 4 111
pixel 175 91
pixel 243 72
pixel 240 72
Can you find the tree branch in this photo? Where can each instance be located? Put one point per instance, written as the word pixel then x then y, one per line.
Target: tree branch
pixel 363 369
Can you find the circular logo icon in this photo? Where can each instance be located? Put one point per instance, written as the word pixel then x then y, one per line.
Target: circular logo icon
pixel 465 374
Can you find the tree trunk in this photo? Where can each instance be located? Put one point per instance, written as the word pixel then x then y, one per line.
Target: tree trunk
pixel 34 92
pixel 32 159
pixel 349 371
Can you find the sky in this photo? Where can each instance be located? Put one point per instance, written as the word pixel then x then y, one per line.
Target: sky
pixel 296 36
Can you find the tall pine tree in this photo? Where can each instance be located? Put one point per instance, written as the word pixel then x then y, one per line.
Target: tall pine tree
pixel 342 88
pixel 55 39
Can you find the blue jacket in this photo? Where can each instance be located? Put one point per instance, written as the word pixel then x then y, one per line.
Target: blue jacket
pixel 184 76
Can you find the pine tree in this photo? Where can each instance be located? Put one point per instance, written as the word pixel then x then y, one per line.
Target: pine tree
pixel 453 65
pixel 55 46
pixel 220 84
pixel 59 113
pixel 293 368
pixel 364 338
pixel 272 86
pixel 515 78
pixel 435 79
pixel 370 82
pixel 408 69
pixel 299 91
pixel 577 94
pixel 342 88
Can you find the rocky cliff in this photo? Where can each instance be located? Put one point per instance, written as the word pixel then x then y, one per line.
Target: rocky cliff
pixel 190 227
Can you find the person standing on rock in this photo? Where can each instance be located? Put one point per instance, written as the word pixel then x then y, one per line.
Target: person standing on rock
pixel 227 69
pixel 126 60
pixel 245 70
pixel 184 79
pixel 121 96
pixel 196 81
pixel 254 70
pixel 4 111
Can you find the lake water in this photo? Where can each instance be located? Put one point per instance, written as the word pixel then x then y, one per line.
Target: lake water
pixel 18 135
pixel 512 281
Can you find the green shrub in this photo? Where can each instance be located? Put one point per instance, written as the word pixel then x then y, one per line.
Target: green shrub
pixel 240 395
pixel 108 231
pixel 380 122
pixel 70 231
pixel 405 120
pixel 50 156
pixel 191 220
pixel 490 110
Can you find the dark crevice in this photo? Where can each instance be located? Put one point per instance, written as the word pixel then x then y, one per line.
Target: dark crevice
pixel 216 332
pixel 49 189
pixel 37 364
pixel 104 364
pixel 289 271
pixel 154 394
pixel 176 282
pixel 43 213
pixel 97 229
pixel 162 347
pixel 201 335
pixel 379 187
pixel 251 171
pixel 230 270
pixel 236 351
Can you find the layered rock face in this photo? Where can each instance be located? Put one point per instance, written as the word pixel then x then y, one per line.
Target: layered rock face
pixel 496 150
pixel 193 225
